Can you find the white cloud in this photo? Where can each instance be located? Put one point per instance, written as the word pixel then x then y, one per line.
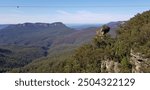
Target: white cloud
pixel 89 17
pixel 81 17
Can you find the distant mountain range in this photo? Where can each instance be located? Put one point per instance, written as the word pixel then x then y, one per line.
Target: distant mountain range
pixel 33 34
pixel 82 26
pixel 45 34
pixel 3 26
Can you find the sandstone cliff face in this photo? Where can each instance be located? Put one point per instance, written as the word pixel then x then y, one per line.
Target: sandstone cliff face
pixel 110 66
pixel 139 63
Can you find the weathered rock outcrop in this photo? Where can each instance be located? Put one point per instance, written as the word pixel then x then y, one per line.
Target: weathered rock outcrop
pixel 139 63
pixel 102 31
pixel 110 66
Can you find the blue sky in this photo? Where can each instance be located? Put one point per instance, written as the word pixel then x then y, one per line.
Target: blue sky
pixel 70 11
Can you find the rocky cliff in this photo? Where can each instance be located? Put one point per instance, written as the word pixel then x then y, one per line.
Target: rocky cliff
pixel 139 63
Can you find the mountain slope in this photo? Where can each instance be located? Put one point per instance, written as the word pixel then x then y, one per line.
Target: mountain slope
pixel 18 56
pixel 85 35
pixel 33 34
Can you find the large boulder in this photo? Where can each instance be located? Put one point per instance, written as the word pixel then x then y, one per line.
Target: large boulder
pixel 103 30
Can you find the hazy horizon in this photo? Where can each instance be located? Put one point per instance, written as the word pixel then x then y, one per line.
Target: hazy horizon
pixel 60 22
